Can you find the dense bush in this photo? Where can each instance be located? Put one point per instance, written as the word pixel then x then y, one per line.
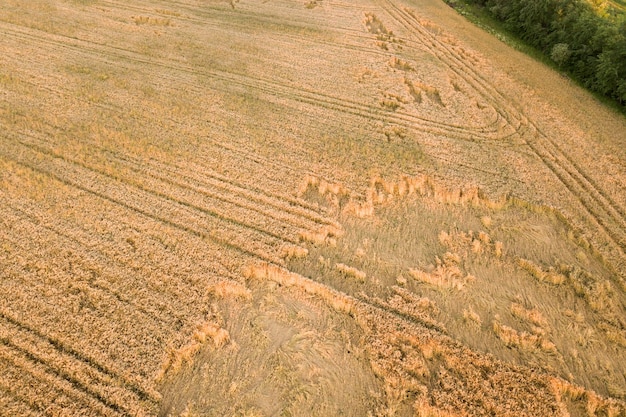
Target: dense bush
pixel 580 39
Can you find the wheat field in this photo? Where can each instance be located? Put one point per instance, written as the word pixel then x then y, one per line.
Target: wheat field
pixel 301 208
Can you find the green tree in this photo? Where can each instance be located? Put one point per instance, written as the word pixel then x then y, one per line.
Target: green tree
pixel 611 70
pixel 560 53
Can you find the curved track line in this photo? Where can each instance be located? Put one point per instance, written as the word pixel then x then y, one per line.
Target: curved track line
pixel 278 89
pixel 604 211
pixel 455 62
pixel 594 206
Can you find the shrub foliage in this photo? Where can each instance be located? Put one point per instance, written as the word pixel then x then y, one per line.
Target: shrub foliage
pixel 580 36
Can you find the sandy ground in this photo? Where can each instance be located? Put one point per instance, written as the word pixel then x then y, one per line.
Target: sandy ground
pixel 267 208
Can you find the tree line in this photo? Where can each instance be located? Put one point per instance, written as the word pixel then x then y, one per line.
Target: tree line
pixel 577 35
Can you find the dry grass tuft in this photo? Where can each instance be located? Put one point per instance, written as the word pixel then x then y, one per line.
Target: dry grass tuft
pixel 381 191
pixel 189 412
pixel 167 12
pixel 550 276
pixel 392 132
pixel 601 297
pixel 522 340
pixel 332 192
pixel 376 27
pixel 411 305
pixel 361 210
pixel 293 252
pixel 447 274
pixel 471 317
pixel 401 280
pixel 397 63
pixel 326 235
pixel 497 249
pixel 152 21
pixel 594 404
pixel 415 301
pixel 477 246
pixel 533 316
pixel 484 238
pixel 431 348
pixel 350 271
pixel 282 276
pixel 311 4
pixel 486 221
pixel 466 242
pixel 445 238
pixel 227 289
pixel 614 333
pixel 563 388
pixel 178 358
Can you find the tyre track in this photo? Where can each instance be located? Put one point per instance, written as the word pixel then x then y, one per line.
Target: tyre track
pixel 107 270
pixel 40 146
pixel 290 201
pixel 42 303
pixel 264 20
pixel 434 51
pixel 292 205
pixel 58 383
pixel 280 214
pixel 277 200
pixel 599 207
pixel 496 124
pixel 241 12
pixel 201 234
pixel 103 246
pixel 382 306
pixel 603 201
pixel 288 169
pixel 13 403
pixel 102 251
pixel 118 192
pixel 145 394
pixel 17 381
pixel 455 62
pixel 296 206
pixel 100 385
pixel 589 198
pixel 182 311
pixel 609 205
pixel 305 96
